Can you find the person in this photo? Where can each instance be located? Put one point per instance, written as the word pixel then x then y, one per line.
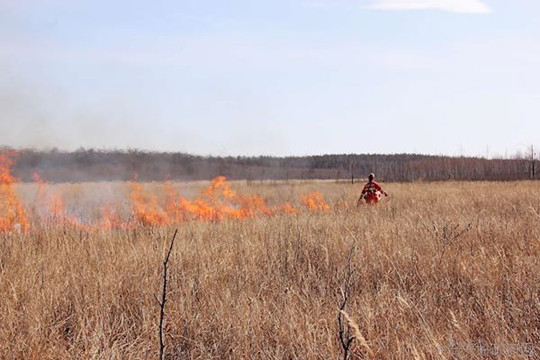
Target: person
pixel 370 191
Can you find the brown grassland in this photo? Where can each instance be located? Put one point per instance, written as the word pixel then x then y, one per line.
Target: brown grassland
pixel 439 271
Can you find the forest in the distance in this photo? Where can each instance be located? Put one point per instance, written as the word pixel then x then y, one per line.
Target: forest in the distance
pixel 112 165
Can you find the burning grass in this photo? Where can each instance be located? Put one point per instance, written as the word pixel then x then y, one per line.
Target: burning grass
pixel 442 270
pixel 217 202
pixel 12 213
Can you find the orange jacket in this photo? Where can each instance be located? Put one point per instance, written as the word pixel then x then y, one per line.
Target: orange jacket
pixel 369 192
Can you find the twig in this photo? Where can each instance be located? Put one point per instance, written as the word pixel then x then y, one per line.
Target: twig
pixel 164 299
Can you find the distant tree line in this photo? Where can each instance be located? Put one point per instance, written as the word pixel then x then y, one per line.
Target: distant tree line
pixel 94 165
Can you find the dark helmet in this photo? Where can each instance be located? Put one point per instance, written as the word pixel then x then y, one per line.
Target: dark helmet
pixel 371 176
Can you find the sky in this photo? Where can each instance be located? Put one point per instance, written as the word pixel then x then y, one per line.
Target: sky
pixel 281 77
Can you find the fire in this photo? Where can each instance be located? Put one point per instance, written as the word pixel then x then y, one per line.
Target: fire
pixel 51 205
pixel 197 209
pixel 12 213
pixel 288 208
pixel 146 207
pixel 215 203
pixel 314 201
pixel 111 217
pixel 220 186
pixel 253 206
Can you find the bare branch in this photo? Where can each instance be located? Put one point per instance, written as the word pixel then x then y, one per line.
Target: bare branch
pixel 344 331
pixel 164 299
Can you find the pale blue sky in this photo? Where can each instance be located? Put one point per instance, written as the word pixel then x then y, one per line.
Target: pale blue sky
pixel 282 77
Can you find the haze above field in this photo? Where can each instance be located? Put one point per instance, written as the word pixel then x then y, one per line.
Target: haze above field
pixel 279 78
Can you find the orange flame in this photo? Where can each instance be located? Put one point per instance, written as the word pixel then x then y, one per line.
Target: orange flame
pixel 12 213
pixel 314 201
pixel 215 203
pixel 111 217
pixel 253 206
pixel 288 208
pixel 219 186
pixel 146 207
pixel 53 205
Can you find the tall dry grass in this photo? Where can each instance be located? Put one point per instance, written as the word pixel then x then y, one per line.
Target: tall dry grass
pixel 442 271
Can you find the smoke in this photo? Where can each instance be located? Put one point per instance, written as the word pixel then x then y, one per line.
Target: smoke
pixel 32 119
pixel 25 120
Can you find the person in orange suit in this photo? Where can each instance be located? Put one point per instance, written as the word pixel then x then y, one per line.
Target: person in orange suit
pixel 371 191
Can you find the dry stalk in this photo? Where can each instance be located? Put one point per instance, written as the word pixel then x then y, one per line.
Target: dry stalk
pixel 356 332
pixel 344 328
pixel 164 299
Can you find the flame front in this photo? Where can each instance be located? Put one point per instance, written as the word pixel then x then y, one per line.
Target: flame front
pixel 146 207
pixel 111 217
pixel 288 208
pixel 314 201
pixel 12 213
pixel 217 202
pixel 51 206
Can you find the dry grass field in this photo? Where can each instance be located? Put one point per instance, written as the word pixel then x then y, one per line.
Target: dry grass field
pixel 435 271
